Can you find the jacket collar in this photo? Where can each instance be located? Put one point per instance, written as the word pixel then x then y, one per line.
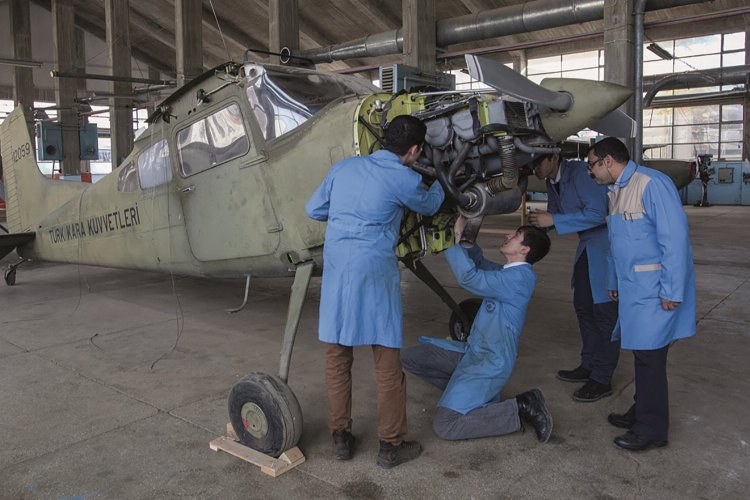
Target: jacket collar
pixel 625 176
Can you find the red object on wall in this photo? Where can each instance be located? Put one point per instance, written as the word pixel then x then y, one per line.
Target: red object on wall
pixel 86 177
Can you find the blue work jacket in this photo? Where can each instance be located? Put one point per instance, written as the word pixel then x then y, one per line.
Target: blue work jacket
pixel 650 259
pixel 581 206
pixel 492 347
pixel 363 200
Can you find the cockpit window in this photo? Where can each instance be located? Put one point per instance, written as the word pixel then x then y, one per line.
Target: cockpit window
pixel 285 98
pixel 154 168
pixel 127 179
pixel 211 141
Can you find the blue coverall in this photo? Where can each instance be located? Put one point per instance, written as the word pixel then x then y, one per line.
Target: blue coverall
pixel 651 259
pixel 580 205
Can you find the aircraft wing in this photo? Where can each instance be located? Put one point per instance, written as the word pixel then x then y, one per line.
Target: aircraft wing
pixel 9 242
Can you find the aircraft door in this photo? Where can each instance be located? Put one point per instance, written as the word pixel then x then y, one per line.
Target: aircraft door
pixel 228 213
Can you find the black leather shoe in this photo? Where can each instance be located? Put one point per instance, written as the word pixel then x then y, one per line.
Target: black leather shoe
pixel 633 442
pixel 391 455
pixel 531 408
pixel 579 374
pixel 622 420
pixel 343 445
pixel 592 391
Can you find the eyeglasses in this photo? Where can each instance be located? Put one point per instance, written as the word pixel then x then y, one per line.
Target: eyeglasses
pixel 593 164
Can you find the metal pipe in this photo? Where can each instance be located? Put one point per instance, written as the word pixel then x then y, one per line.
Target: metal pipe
pixel 109 78
pixel 23 63
pixel 680 81
pixel 638 11
pixel 731 75
pixel 511 20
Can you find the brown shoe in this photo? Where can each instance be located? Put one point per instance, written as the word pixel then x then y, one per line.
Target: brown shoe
pixel 391 455
pixel 343 445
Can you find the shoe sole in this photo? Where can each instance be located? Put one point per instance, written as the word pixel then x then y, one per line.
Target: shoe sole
pixel 546 437
pixel 571 379
pixel 620 425
pixel 391 465
pixel 591 400
pixel 655 444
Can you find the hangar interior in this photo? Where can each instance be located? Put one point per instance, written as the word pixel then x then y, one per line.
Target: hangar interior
pixel 114 381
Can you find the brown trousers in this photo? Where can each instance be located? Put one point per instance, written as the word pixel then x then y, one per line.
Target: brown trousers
pixel 391 389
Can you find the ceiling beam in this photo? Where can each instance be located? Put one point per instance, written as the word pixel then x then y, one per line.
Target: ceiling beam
pixel 376 14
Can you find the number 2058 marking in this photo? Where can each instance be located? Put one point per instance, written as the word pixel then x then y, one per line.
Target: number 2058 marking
pixel 21 152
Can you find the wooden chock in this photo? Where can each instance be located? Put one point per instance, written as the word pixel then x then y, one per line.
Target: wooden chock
pixel 274 467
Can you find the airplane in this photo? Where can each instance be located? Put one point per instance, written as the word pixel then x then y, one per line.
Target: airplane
pixel 216 186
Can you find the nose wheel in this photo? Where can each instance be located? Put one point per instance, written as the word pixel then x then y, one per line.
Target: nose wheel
pixel 459 329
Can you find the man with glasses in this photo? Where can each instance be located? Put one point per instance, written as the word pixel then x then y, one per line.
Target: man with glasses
pixel 576 204
pixel 652 279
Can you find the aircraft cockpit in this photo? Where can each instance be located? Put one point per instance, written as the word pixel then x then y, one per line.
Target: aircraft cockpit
pixel 283 98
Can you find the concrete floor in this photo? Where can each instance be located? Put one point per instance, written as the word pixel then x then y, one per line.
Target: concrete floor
pixel 113 382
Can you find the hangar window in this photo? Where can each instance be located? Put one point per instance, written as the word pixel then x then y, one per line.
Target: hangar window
pixel 153 165
pixel 127 179
pixel 283 99
pixel 684 123
pixel 218 138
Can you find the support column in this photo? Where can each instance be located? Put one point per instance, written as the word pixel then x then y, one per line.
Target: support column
pixel 419 35
pixel 619 53
pixel 65 88
pixel 23 78
pixel 283 27
pixel 188 39
pixel 746 107
pixel 120 110
pixel 80 67
pixel 520 61
pixel 153 74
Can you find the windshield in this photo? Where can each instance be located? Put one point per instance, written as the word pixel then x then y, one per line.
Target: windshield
pixel 282 99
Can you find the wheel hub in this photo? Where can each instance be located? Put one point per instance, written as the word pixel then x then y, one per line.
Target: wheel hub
pixel 254 420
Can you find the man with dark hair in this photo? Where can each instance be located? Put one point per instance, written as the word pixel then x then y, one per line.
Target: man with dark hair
pixel 363 200
pixel 651 276
pixel 473 373
pixel 576 204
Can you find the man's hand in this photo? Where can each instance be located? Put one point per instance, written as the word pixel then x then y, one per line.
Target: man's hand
pixel 669 305
pixel 459 226
pixel 613 295
pixel 541 219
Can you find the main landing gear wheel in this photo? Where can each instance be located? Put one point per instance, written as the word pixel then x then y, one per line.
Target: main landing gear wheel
pixel 265 414
pixel 458 330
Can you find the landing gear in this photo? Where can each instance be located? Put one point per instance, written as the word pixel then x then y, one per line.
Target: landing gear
pixel 460 329
pixel 263 410
pixel 10 273
pixel 265 414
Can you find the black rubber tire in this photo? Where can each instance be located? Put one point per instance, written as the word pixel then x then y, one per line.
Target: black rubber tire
pixel 10 277
pixel 457 329
pixel 276 417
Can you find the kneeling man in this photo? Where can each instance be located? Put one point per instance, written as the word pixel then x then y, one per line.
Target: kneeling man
pixel 473 373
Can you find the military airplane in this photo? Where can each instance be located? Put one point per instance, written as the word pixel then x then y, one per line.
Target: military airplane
pixel 216 185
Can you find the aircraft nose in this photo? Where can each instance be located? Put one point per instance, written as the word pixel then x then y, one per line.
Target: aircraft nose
pixel 591 101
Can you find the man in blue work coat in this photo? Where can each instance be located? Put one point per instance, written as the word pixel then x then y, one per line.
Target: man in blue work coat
pixel 473 373
pixel 363 200
pixel 577 204
pixel 652 279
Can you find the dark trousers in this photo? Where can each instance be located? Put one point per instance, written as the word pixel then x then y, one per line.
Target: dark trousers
pixel 651 394
pixel 599 354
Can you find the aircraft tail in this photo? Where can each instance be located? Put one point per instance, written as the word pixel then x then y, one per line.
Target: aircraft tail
pixel 29 195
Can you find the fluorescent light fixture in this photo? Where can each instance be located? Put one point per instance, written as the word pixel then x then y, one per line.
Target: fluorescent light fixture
pixel 21 62
pixel 660 51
